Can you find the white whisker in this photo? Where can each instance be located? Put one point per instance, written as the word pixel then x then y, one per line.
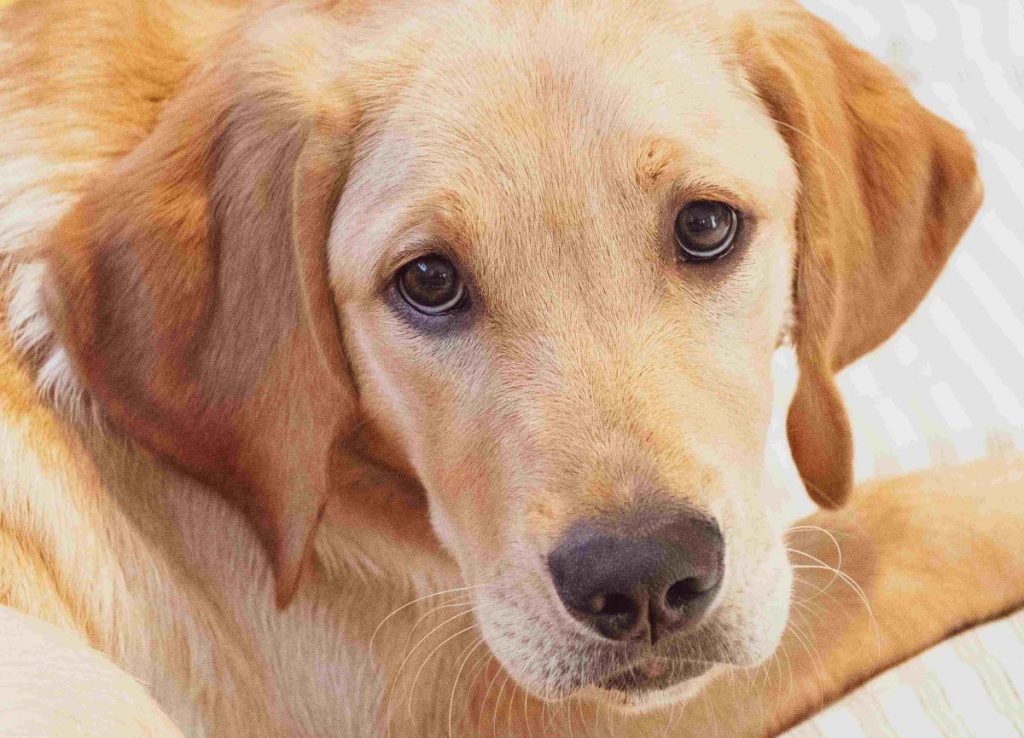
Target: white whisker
pixel 401 667
pixel 410 603
pixel 458 675
pixel 438 647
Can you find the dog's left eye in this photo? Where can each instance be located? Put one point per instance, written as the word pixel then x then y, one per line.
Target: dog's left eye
pixel 706 230
pixel 432 285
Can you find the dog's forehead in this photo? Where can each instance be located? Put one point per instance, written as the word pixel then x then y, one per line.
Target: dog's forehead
pixel 569 92
pixel 563 131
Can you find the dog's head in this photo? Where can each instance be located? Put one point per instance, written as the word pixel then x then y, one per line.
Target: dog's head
pixel 534 259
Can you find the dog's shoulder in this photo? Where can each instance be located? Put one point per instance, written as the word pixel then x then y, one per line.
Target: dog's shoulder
pixel 41 492
pixel 85 586
pixel 51 681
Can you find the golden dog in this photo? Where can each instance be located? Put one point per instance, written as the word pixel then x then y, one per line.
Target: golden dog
pixel 317 309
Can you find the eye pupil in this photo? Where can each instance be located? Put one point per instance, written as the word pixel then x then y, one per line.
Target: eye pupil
pixel 705 230
pixel 700 221
pixel 431 285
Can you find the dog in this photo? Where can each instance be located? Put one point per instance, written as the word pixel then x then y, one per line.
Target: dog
pixel 332 321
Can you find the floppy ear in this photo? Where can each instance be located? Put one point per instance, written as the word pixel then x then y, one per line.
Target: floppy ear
pixel 886 191
pixel 189 288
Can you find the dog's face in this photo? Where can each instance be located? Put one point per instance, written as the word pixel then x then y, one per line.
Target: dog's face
pixel 562 269
pixel 547 262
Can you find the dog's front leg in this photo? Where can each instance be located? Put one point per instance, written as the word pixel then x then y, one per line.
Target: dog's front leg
pixel 907 563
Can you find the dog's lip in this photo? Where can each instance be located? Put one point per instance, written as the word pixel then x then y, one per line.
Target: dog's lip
pixel 653 674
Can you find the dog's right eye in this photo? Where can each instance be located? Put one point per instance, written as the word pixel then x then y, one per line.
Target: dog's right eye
pixel 432 285
pixel 706 230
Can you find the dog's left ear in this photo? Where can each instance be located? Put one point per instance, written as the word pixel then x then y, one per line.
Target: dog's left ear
pixel 886 191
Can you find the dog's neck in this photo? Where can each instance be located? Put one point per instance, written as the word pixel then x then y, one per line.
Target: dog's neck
pixel 317 663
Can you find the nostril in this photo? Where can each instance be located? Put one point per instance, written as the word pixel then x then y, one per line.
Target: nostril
pixel 613 615
pixel 685 591
pixel 611 605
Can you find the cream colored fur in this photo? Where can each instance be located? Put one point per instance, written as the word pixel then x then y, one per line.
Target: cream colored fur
pixel 52 684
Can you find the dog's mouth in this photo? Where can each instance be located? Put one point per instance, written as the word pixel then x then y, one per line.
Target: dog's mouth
pixel 672 646
pixel 653 674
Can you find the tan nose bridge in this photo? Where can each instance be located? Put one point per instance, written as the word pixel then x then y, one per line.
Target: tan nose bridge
pixel 611 426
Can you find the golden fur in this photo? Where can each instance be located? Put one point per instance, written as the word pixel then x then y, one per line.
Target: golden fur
pixel 209 402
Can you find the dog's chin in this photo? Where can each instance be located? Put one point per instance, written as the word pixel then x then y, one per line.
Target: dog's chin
pixel 652 684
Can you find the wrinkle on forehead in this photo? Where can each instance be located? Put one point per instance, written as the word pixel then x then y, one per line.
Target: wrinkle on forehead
pixel 547 135
pixel 524 112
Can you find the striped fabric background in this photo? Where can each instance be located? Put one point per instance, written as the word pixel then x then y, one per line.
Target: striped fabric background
pixel 971 685
pixel 950 386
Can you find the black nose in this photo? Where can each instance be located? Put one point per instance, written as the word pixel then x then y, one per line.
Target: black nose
pixel 627 584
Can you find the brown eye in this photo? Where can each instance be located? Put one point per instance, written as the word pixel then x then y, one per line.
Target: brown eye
pixel 431 285
pixel 706 230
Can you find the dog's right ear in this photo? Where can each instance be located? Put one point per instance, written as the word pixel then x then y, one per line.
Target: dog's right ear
pixel 189 287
